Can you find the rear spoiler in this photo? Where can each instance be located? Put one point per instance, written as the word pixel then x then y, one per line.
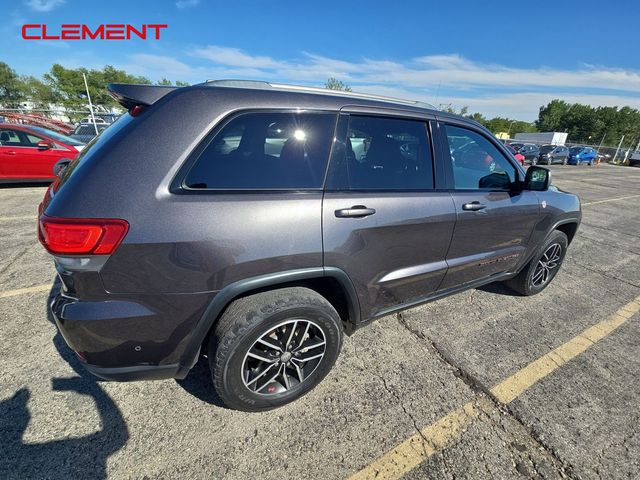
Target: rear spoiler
pixel 131 95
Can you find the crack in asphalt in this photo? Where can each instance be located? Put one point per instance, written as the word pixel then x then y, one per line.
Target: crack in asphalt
pixel 608 244
pixel 600 227
pixel 17 257
pixel 400 402
pixel 566 469
pixel 603 273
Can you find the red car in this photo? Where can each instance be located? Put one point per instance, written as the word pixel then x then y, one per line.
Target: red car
pixel 28 153
pixel 518 156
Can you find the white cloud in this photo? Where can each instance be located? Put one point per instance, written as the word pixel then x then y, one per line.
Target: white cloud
pixel 182 4
pixel 234 57
pixel 43 5
pixel 491 89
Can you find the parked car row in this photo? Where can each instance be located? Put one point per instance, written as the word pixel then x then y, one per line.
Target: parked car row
pixel 29 153
pixel 550 154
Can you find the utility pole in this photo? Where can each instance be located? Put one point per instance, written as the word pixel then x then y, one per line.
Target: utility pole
pixel 601 142
pixel 618 149
pixel 93 118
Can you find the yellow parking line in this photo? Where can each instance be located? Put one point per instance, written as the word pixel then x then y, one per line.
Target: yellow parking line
pixel 21 291
pixel 25 217
pixel 610 200
pixel 413 451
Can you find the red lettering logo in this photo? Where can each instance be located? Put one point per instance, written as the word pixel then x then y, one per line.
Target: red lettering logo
pixel 78 31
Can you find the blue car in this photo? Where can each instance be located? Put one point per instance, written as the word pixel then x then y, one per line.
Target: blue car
pixel 578 155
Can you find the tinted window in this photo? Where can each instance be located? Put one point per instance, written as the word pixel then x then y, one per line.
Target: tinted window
pixel 383 154
pixel 547 148
pixel 12 138
pixel 56 136
pixel 477 163
pixel 33 140
pixel 266 151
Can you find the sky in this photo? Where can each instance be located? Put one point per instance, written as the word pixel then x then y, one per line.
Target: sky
pixel 499 58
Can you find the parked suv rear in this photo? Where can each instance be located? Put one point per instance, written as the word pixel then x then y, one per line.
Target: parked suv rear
pixel 259 223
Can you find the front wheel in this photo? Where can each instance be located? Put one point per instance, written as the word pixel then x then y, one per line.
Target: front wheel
pixel 273 347
pixel 544 266
pixel 534 161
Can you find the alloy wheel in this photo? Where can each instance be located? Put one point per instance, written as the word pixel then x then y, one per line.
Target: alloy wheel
pixel 549 262
pixel 284 357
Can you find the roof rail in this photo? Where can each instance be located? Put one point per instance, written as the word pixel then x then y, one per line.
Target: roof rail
pixel 262 85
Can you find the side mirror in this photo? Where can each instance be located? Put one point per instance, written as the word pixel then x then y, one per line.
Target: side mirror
pixel 44 145
pixel 60 166
pixel 537 179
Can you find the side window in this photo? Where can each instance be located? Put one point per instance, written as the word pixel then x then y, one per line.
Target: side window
pixel 383 154
pixel 10 138
pixel 256 151
pixel 33 140
pixel 477 163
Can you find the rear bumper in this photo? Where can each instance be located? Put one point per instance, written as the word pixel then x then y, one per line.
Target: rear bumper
pixel 124 339
pixel 137 372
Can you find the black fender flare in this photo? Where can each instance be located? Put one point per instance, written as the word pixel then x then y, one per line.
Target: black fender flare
pixel 554 227
pixel 225 296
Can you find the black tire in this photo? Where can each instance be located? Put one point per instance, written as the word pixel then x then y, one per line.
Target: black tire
pixel 534 161
pixel 251 318
pixel 523 282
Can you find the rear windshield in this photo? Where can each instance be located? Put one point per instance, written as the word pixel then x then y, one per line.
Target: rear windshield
pixel 57 136
pixel 547 148
pixel 575 150
pixel 257 151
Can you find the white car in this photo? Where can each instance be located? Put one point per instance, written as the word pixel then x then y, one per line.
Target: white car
pixel 89 121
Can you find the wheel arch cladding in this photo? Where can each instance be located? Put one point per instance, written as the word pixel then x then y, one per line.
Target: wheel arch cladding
pixel 569 229
pixel 331 283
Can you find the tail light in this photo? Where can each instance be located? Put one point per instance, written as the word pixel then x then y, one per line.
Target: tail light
pixel 81 236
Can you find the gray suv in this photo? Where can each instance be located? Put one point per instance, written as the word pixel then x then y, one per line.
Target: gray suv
pixel 257 224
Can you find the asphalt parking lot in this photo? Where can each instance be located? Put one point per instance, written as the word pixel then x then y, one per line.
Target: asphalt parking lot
pixel 483 384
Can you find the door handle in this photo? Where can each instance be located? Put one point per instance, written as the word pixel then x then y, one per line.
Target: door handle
pixel 357 211
pixel 11 152
pixel 473 206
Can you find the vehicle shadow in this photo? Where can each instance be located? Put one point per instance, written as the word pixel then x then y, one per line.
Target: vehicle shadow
pixel 498 288
pixel 198 383
pixel 8 186
pixel 79 457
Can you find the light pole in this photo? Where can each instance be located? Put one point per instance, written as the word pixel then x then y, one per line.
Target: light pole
pixel 509 131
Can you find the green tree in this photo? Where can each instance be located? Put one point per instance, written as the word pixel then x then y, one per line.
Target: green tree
pixel 68 86
pixel 586 124
pixel 166 82
pixel 37 92
pixel 334 84
pixel 478 117
pixel 11 91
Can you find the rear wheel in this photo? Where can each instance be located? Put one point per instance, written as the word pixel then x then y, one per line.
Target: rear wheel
pixel 544 266
pixel 271 348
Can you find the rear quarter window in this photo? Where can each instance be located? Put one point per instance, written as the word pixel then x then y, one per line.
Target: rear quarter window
pixel 95 145
pixel 266 151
